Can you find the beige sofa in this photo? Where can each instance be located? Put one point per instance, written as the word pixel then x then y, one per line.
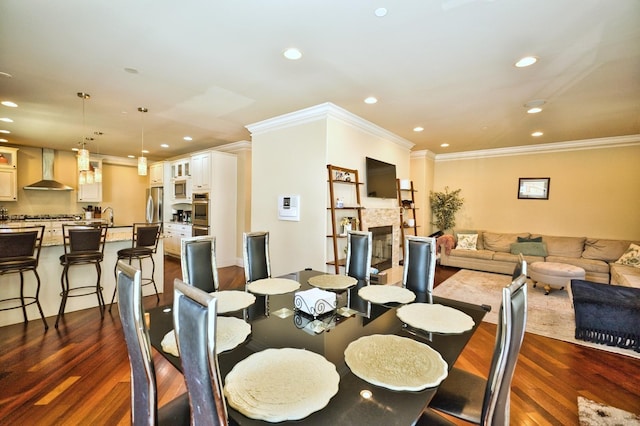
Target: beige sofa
pixel 494 254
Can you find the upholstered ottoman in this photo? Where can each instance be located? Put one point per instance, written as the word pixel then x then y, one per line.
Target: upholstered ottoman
pixel 607 314
pixel 556 274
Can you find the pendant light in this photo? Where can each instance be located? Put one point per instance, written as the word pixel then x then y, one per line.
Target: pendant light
pixel 97 171
pixel 83 153
pixel 142 161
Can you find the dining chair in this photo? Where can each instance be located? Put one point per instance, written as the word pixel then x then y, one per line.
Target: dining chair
pixel 144 244
pixel 20 253
pixel 255 253
pixel 419 264
pixel 358 262
pixel 521 267
pixel 194 318
pixel 198 262
pixel 144 395
pixel 486 401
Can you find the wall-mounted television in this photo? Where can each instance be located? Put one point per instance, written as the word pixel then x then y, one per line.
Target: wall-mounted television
pixel 381 179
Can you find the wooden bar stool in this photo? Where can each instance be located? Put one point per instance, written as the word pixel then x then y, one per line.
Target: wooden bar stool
pixel 144 244
pixel 83 245
pixel 19 253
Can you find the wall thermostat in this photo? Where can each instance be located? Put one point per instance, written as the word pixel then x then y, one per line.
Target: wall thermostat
pixel 289 207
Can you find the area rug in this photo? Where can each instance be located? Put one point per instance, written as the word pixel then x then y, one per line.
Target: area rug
pixel 592 413
pixel 549 316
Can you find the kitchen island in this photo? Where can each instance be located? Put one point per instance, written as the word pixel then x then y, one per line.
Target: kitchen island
pixel 50 271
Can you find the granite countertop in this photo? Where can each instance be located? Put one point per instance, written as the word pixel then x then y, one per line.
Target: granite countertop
pixel 52 234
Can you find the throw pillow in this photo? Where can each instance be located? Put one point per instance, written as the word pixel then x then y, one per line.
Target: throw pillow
pixel 467 241
pixel 529 239
pixel 631 257
pixel 529 248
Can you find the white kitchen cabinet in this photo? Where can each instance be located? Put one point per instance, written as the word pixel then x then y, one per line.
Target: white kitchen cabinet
pixel 201 172
pixel 181 168
pixel 156 174
pixel 173 233
pixel 91 192
pixel 8 174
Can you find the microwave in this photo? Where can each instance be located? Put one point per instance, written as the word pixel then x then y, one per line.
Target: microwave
pixel 182 189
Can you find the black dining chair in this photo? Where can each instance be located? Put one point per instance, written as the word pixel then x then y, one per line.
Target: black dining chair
pixel 144 394
pixel 486 401
pixel 358 262
pixel 255 253
pixel 194 318
pixel 198 262
pixel 419 267
pixel 144 244
pixel 83 245
pixel 20 253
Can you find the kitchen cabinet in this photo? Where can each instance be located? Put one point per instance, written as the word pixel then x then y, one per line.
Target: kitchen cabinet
pixel 91 192
pixel 181 168
pixel 173 234
pixel 156 174
pixel 201 172
pixel 8 174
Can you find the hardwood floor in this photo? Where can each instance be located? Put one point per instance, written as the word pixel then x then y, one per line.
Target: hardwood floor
pixel 79 374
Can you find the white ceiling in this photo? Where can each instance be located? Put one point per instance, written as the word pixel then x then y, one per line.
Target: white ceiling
pixel 208 68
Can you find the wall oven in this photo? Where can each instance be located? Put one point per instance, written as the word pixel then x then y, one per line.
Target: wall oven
pixel 200 214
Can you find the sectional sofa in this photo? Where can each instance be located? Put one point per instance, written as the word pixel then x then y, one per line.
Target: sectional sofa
pixel 498 252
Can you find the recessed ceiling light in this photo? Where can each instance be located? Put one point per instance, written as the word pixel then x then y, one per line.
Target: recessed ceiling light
pixel 444 145
pixel 5 131
pixel 418 129
pixel 292 53
pixel 164 145
pixel 188 138
pixel 534 110
pixel 537 134
pixel 6 120
pixel 131 156
pixel 370 100
pixel 145 151
pixel 3 140
pixel 10 104
pixel 526 61
pixel 5 74
pixel 380 12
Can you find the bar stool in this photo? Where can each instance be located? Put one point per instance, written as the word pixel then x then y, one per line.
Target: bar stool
pixel 83 245
pixel 19 253
pixel 144 244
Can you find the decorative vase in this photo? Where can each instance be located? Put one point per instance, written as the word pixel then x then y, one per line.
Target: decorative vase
pixel 346 228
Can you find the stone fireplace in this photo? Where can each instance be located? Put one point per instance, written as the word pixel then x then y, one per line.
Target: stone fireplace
pixel 386 239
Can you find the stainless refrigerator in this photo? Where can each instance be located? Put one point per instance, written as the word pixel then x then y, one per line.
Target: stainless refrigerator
pixel 154 205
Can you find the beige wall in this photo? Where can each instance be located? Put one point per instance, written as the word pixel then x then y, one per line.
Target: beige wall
pixel 291 158
pixel 593 192
pixel 122 188
pixel 422 170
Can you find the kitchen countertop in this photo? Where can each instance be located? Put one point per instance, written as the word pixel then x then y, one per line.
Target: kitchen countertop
pixel 53 235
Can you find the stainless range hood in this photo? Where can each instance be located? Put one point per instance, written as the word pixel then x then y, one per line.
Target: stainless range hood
pixel 47 183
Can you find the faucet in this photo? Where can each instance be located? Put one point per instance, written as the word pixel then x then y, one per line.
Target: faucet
pixel 110 215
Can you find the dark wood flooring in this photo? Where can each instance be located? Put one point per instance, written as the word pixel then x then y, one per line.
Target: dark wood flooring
pixel 79 374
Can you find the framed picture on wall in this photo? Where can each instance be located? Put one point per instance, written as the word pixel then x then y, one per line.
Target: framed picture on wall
pixel 533 188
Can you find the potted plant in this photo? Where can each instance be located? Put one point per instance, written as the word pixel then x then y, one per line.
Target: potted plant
pixel 444 206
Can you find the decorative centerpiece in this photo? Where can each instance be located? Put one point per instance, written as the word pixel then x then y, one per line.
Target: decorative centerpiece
pixel 315 301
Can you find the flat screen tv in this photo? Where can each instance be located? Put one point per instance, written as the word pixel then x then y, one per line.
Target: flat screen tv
pixel 381 179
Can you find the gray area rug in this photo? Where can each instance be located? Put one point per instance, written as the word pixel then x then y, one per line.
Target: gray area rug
pixel 550 316
pixel 592 413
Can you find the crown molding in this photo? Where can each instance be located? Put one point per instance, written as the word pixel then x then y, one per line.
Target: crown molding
pixel 611 142
pixel 425 153
pixel 234 147
pixel 321 112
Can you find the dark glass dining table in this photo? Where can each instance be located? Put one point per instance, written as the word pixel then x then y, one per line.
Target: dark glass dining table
pixel 276 324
